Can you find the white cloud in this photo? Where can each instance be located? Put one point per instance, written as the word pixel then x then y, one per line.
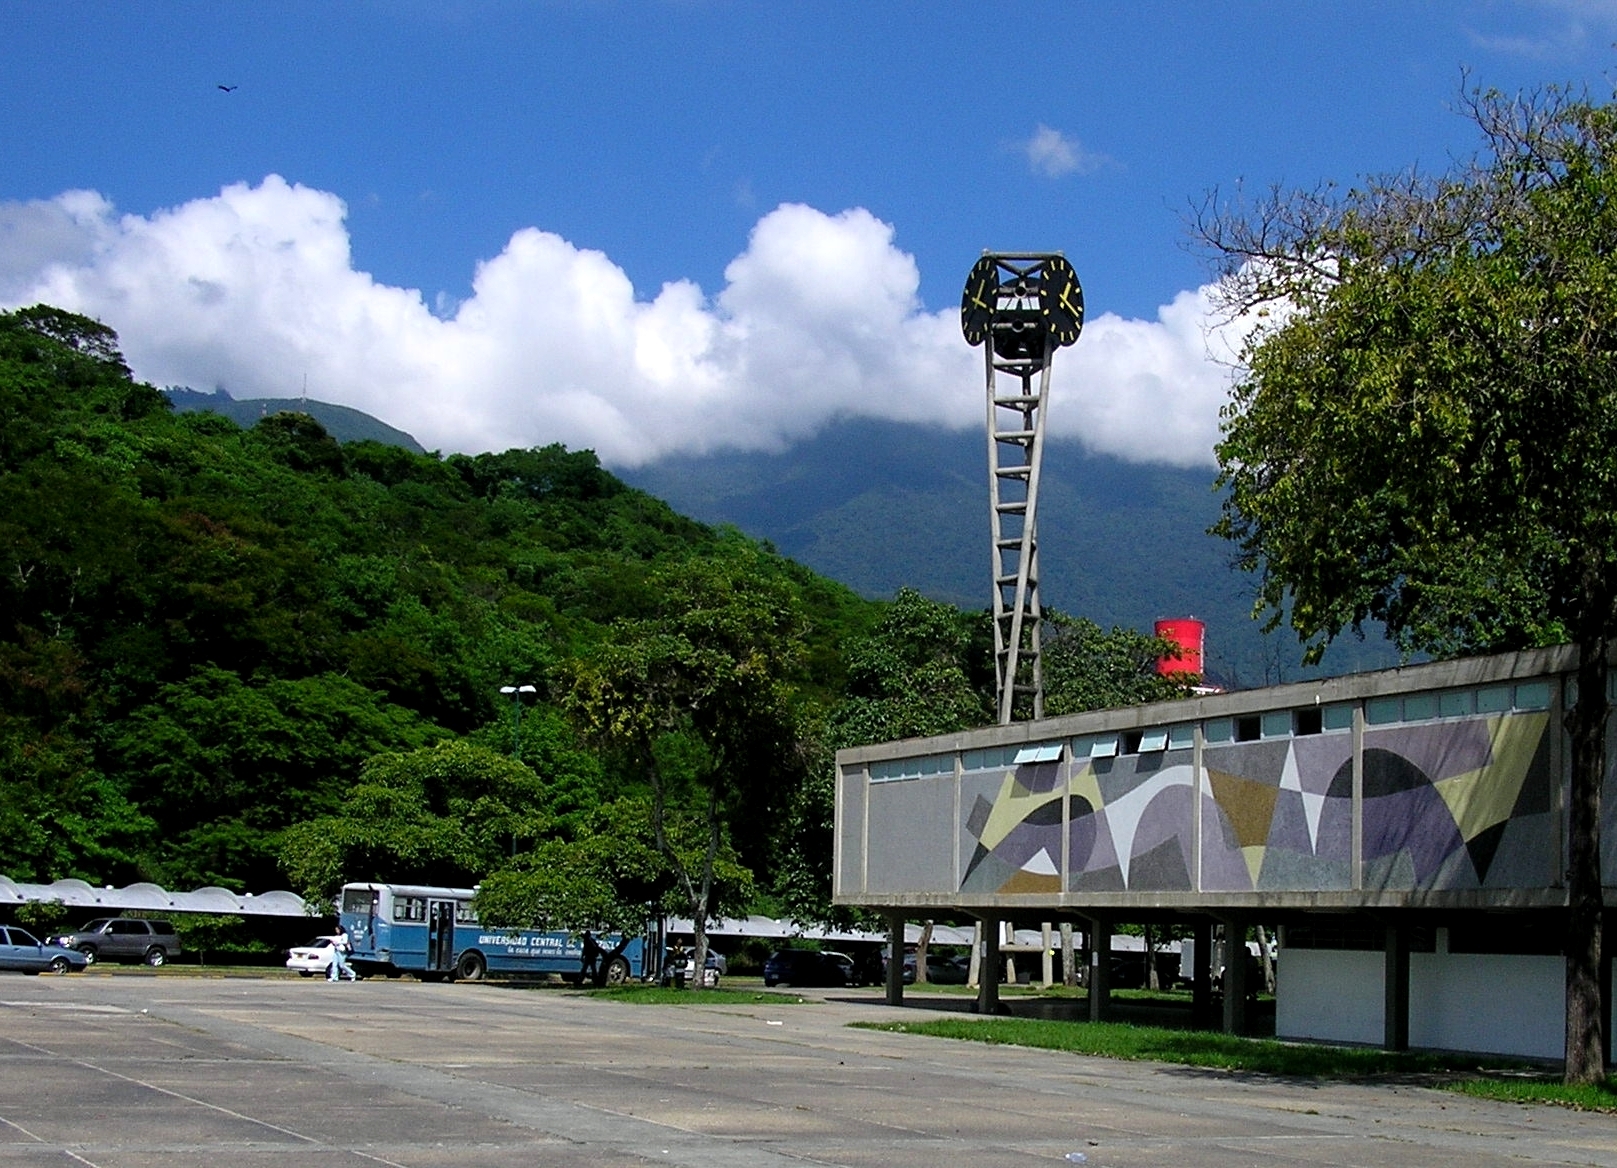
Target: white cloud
pixel 1053 154
pixel 254 289
pixel 1563 29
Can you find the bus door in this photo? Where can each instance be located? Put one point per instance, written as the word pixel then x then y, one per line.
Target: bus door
pixel 440 934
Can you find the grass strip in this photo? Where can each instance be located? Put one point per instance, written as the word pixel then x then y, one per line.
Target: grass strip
pixel 1194 1048
pixel 1536 1089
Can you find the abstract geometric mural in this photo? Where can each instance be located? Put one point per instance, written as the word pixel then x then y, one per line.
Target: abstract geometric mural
pixel 1460 803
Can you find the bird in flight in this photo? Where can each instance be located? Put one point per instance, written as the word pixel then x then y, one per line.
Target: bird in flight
pixel 228 88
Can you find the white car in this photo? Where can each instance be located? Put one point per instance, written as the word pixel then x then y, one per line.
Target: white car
pixel 312 958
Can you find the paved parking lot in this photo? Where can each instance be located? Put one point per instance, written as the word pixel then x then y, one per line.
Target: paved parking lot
pixel 128 1071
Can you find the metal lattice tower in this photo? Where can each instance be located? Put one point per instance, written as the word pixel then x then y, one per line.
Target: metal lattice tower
pixel 1025 306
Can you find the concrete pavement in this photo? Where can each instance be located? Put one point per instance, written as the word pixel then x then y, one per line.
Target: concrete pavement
pixel 125 1072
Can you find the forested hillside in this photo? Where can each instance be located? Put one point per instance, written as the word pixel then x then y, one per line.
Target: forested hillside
pixel 208 630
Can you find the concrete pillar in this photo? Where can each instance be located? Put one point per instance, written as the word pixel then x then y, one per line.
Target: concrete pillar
pixel 988 966
pixel 1395 979
pixel 1235 977
pixel 1047 955
pixel 895 958
pixel 1201 975
pixel 1100 968
pixel 1069 972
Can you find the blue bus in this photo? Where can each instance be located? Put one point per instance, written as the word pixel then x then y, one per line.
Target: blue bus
pixel 433 934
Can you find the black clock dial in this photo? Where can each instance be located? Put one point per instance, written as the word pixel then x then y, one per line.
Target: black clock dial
pixel 977 302
pixel 1062 300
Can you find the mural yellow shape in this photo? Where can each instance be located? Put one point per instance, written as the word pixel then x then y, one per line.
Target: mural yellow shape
pixel 1254 861
pixel 1083 784
pixel 1249 806
pixel 1012 805
pixel 1025 881
pixel 1484 797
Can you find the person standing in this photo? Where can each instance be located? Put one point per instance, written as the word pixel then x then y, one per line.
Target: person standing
pixel 589 963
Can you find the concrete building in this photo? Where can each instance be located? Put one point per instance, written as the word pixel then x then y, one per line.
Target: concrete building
pixel 1403 831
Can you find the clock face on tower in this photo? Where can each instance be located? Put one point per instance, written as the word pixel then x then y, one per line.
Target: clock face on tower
pixel 1062 301
pixel 1022 303
pixel 978 300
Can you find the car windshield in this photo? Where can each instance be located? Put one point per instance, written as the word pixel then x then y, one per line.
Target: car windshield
pixel 94 926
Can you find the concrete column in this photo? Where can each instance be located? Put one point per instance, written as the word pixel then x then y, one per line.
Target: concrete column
pixel 1069 972
pixel 988 967
pixel 1395 979
pixel 1100 968
pixel 1234 977
pixel 1201 974
pixel 1047 956
pixel 895 958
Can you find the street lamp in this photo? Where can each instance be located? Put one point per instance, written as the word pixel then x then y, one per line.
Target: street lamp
pixel 515 692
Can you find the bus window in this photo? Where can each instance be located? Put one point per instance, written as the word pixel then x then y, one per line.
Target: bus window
pixel 359 900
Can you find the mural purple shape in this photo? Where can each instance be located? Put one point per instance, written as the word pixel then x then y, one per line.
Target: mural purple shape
pixel 1457 749
pixel 1166 818
pixel 1416 822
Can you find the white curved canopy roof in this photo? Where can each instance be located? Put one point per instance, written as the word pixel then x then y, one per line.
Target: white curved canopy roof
pixel 151 898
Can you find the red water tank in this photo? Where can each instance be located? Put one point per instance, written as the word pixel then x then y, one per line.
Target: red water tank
pixel 1190 635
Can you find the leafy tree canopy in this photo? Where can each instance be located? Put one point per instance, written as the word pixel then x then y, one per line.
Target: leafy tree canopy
pixel 1425 428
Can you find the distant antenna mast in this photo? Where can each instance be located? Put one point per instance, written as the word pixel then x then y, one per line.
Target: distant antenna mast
pixel 1025 306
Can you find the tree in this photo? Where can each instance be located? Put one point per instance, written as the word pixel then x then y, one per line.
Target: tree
pixel 1086 668
pixel 606 872
pixel 1424 428
pixel 696 700
pixel 446 814
pixel 924 668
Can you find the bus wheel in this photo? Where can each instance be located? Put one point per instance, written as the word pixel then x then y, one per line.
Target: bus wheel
pixel 472 967
pixel 617 971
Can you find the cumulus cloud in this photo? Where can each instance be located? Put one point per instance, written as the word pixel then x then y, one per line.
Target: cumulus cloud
pixel 819 318
pixel 1053 154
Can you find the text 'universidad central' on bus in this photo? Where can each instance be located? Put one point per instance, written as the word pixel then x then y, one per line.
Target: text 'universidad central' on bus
pixel 433 933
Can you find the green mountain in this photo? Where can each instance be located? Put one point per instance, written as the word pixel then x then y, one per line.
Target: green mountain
pixel 341 422
pixel 882 505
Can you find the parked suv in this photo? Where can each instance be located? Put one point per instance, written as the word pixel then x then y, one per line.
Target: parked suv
pixel 123 939
pixel 808 967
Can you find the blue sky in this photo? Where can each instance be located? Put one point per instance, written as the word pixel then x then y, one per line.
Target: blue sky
pixel 674 225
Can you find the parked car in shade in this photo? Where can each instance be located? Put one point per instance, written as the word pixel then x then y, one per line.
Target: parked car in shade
pixel 312 958
pixel 21 951
pixel 808 967
pixel 941 969
pixel 123 939
pixel 679 968
pixel 947 969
